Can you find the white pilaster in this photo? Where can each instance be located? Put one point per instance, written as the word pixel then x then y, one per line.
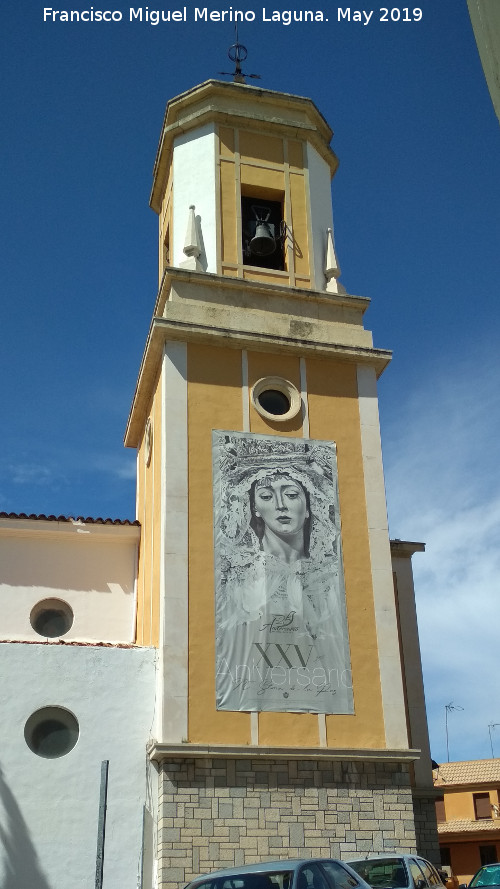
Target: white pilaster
pixel 173 673
pixel 380 555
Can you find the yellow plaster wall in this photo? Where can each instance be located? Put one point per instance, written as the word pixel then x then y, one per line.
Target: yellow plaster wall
pixel 299 222
pixel 214 402
pixel 145 552
pixel 334 414
pixel 259 177
pixel 149 494
pixel 269 276
pixel 156 460
pixel 165 222
pixel 296 155
pixel 459 804
pixel 265 364
pixel 228 229
pixel 140 501
pixel 226 136
pixel 260 147
pixel 253 163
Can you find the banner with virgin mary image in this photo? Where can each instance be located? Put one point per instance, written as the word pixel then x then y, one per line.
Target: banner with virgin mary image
pixel 281 628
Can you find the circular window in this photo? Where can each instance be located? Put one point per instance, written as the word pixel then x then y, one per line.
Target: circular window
pixel 51 618
pixel 275 399
pixel 274 402
pixel 51 732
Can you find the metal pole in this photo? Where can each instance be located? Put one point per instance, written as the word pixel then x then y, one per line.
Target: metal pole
pixel 446 723
pixel 101 826
pixel 448 708
pixel 492 725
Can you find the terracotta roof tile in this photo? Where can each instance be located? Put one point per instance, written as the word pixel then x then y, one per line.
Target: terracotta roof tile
pixel 475 771
pixel 465 825
pixel 62 518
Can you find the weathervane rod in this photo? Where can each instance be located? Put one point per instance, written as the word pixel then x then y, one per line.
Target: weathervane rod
pixel 238 54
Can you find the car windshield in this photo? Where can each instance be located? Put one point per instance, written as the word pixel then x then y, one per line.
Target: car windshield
pixel 487 876
pixel 271 880
pixel 386 873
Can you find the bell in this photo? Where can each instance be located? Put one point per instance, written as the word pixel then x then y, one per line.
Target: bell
pixel 262 243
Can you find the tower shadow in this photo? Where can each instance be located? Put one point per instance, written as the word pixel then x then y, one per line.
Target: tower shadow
pixel 22 869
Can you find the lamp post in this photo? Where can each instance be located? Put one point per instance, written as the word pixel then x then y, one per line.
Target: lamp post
pixel 449 709
pixel 490 726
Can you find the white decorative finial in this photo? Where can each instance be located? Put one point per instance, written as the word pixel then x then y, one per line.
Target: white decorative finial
pixel 332 268
pixel 192 246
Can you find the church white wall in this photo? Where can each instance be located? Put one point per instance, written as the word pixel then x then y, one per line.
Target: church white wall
pixel 91 567
pixel 49 807
pixel 195 177
pixel 320 190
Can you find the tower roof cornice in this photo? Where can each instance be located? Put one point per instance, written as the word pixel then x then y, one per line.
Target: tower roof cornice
pixel 235 104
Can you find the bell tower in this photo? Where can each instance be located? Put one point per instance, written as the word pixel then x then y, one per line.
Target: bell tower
pixel 265 576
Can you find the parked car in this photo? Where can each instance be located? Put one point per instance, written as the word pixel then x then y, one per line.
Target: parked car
pixel 397 872
pixel 298 873
pixel 488 875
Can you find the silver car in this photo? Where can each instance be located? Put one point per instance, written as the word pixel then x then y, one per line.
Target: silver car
pixel 297 873
pixel 397 872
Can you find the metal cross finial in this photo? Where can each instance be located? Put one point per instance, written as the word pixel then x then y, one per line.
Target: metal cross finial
pixel 238 54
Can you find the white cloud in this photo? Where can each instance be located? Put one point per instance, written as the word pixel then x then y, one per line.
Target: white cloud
pixel 30 474
pixel 443 486
pixel 122 466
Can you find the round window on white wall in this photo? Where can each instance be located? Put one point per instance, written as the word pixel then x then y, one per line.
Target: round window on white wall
pixel 51 618
pixel 275 399
pixel 51 732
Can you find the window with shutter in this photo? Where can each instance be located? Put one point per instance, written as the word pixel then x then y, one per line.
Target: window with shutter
pixel 445 856
pixel 488 854
pixel 482 805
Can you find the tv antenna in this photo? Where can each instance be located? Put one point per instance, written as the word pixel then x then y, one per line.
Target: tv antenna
pixel 449 708
pixel 492 725
pixel 238 54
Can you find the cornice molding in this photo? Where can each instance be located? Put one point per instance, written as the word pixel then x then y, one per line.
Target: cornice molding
pixel 405 548
pixel 232 104
pixel 163 330
pixel 208 279
pixel 315 333
pixel 159 751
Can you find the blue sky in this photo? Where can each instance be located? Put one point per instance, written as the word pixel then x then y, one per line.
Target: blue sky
pixel 416 208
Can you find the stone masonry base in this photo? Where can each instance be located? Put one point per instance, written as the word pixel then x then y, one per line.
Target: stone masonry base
pixel 217 813
pixel 424 808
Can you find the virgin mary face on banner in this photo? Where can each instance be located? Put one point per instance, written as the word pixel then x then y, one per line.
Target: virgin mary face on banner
pixel 281 629
pixel 280 512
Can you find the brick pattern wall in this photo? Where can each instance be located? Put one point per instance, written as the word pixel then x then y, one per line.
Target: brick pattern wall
pixel 222 812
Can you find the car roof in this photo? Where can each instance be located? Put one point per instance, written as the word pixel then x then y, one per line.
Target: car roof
pixel 262 867
pixel 382 855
